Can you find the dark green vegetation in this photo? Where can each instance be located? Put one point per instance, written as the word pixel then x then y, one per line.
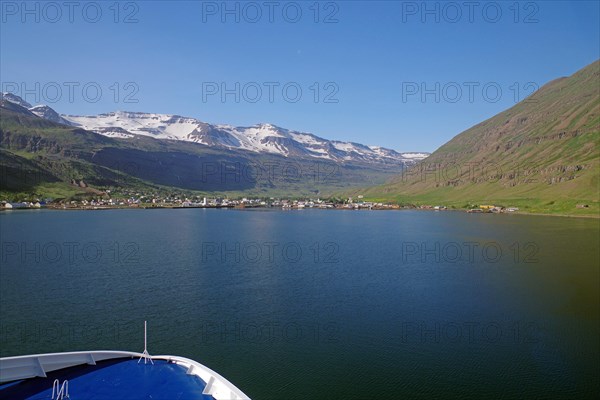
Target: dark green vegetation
pixel 542 155
pixel 40 158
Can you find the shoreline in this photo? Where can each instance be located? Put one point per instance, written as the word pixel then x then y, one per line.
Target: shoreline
pixel 597 216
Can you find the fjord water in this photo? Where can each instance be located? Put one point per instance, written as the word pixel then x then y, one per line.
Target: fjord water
pixel 316 304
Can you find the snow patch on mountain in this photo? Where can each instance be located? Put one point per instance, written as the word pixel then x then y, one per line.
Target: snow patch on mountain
pixel 260 138
pixel 415 156
pixel 48 113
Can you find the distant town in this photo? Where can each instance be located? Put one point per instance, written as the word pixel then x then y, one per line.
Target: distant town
pixel 198 202
pixel 144 201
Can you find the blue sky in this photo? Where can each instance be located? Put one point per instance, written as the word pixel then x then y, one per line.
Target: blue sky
pixel 371 61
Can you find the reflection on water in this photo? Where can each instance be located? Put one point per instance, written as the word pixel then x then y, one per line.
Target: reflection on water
pixel 320 304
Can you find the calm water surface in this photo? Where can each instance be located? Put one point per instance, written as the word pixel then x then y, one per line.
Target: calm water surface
pixel 316 304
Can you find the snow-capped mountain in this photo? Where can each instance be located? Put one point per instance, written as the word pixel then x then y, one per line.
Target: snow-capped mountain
pixel 49 114
pixel 14 99
pixel 260 138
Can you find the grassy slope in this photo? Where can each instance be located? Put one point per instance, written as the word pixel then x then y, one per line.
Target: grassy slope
pixel 541 155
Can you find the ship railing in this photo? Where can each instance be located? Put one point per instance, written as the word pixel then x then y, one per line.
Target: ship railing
pixel 216 385
pixel 38 365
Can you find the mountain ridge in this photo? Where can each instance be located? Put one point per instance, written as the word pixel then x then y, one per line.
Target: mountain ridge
pixel 258 138
pixel 41 158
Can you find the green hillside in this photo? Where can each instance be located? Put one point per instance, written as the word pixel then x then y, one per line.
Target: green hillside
pixel 541 155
